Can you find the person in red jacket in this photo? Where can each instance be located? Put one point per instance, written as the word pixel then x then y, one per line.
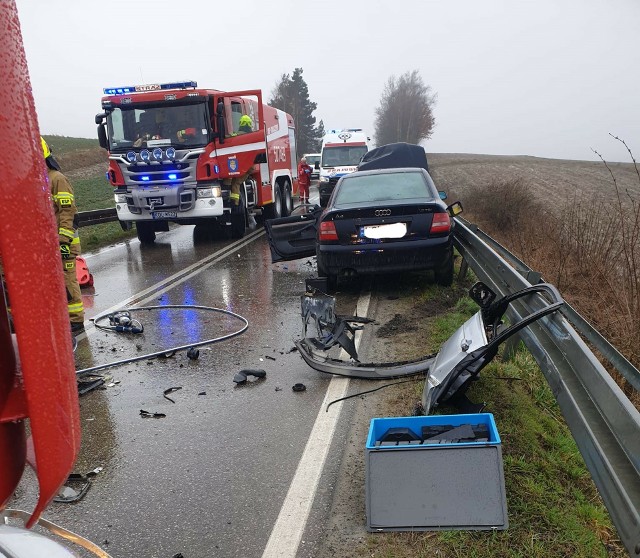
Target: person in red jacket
pixel 304 180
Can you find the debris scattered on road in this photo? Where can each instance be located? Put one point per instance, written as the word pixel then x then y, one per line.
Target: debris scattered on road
pixel 203 393
pixel 292 350
pixel 193 353
pixel 67 494
pixel 171 390
pixel 167 355
pixel 299 387
pixel 269 357
pixel 94 472
pixel 241 377
pixel 85 385
pixel 147 414
pixel 278 388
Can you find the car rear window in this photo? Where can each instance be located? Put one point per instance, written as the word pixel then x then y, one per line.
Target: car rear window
pixel 382 187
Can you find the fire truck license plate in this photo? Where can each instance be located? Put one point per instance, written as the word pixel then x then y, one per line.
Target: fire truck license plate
pixel 164 214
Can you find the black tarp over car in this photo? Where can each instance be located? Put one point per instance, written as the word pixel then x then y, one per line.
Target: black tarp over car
pixel 393 156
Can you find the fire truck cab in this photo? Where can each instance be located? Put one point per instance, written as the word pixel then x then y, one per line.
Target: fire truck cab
pixel 175 151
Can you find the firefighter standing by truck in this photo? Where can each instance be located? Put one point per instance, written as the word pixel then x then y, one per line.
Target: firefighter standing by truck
pixel 65 211
pixel 245 125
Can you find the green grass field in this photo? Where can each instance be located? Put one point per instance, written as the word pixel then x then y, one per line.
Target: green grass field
pixel 93 192
pixel 63 145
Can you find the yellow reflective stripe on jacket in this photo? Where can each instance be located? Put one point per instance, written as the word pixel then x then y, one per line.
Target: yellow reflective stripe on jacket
pixel 76 238
pixel 75 307
pixel 70 233
pixel 234 196
pixel 63 198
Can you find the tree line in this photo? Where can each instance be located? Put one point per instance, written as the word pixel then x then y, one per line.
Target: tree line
pixel 404 114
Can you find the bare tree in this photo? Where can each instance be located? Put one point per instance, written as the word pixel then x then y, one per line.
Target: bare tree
pixel 405 111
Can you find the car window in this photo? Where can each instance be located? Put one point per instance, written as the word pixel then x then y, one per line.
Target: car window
pixel 380 187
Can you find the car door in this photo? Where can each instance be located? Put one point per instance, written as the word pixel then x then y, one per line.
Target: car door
pixel 293 237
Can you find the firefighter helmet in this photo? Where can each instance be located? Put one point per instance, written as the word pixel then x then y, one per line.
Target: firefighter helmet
pixel 48 157
pixel 245 120
pixel 45 148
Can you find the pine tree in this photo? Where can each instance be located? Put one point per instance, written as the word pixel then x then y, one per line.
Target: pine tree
pixel 291 94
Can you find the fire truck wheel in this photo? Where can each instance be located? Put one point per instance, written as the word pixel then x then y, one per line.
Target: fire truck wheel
pixel 287 202
pixel 145 232
pixel 274 210
pixel 239 219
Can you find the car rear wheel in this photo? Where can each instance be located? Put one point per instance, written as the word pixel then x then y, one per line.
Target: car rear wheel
pixel 444 274
pixel 146 233
pixel 332 280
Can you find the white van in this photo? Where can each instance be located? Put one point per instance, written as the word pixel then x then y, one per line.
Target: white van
pixel 341 153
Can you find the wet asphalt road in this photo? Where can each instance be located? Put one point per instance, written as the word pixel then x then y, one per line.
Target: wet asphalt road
pixel 208 479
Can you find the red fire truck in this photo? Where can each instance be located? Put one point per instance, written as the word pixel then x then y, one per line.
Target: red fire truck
pixel 175 150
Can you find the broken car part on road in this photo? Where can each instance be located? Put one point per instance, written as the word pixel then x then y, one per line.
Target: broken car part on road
pixel 190 347
pixel 449 371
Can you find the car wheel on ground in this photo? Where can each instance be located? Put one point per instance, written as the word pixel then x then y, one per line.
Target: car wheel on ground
pixel 444 274
pixel 146 233
pixel 332 279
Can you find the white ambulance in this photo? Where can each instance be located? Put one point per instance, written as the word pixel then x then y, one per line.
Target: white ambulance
pixel 341 153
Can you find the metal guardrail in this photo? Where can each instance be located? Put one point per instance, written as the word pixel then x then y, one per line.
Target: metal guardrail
pixel 96 216
pixel 602 420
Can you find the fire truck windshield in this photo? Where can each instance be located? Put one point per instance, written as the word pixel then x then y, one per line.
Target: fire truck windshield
pixel 343 155
pixel 178 125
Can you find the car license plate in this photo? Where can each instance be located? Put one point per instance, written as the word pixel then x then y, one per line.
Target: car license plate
pixel 392 230
pixel 164 214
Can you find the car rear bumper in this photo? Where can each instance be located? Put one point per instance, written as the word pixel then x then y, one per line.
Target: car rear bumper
pixel 380 259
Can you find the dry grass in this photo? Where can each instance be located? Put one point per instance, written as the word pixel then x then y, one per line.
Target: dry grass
pixel 590 250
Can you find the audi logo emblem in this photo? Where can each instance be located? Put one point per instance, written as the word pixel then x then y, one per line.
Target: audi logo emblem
pixel 382 212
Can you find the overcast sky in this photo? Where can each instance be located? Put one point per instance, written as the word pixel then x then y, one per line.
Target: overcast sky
pixel 549 78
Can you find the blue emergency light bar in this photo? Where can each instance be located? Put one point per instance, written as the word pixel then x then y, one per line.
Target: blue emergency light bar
pixel 150 87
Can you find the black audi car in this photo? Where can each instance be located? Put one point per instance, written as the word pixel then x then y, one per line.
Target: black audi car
pixel 376 222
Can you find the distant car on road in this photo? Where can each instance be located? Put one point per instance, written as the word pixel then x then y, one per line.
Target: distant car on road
pixel 312 159
pixel 376 222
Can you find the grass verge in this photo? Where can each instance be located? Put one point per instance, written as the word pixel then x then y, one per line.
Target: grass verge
pixel 96 193
pixel 554 508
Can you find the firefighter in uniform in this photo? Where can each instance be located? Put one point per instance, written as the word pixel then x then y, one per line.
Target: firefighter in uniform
pixel 245 125
pixel 65 211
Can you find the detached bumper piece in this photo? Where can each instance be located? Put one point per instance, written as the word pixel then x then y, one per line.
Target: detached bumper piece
pixel 448 372
pixel 318 312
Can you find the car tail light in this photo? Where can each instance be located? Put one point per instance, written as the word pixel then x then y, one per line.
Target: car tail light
pixel 441 223
pixel 328 231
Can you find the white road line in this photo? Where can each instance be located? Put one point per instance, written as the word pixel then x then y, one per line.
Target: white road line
pixel 289 527
pixel 177 278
